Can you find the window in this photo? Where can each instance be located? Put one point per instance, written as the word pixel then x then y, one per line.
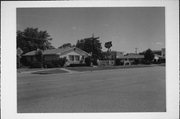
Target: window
pixel 71 57
pixel 83 57
pixel 77 58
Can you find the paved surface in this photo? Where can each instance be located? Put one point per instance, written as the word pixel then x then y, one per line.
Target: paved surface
pixel 120 90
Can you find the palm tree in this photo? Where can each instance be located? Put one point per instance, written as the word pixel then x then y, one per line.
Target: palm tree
pixel 108 45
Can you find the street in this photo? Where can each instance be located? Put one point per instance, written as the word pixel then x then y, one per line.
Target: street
pixel 117 90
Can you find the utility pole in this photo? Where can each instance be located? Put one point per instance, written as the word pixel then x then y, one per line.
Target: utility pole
pixel 136 50
pixel 92 49
pixel 92 38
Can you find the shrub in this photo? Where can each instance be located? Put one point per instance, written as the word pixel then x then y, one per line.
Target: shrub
pixel 88 61
pixel 36 65
pixel 24 61
pixel 162 60
pixel 94 61
pixel 136 61
pixel 77 65
pixel 146 62
pixel 55 63
pixel 62 61
pixel 49 65
pixel 118 62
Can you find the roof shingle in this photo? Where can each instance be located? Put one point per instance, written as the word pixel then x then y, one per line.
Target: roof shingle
pixel 58 51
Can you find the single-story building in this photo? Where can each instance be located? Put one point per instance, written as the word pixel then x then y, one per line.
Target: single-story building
pixel 159 58
pixel 131 58
pixel 73 55
pixel 159 55
pixel 109 58
pixel 116 57
pixel 112 55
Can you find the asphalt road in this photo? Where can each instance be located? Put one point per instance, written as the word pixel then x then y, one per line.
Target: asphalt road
pixel 120 90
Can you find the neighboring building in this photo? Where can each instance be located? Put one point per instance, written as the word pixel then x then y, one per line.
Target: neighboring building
pixel 117 54
pixel 113 55
pixel 163 52
pixel 160 52
pixel 117 57
pixel 132 59
pixel 159 55
pixel 109 58
pixel 73 55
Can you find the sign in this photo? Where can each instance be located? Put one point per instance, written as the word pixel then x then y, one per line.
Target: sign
pixel 108 44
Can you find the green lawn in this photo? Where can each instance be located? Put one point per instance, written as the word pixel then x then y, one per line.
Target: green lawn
pixel 81 69
pixel 53 71
pixel 133 90
pixel 28 69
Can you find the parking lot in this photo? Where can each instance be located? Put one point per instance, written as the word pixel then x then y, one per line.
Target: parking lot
pixel 116 90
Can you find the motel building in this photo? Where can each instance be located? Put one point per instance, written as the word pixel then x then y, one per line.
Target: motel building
pixel 131 58
pixel 127 59
pixel 160 55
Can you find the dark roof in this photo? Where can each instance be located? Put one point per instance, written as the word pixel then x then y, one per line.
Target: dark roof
pixel 134 56
pixel 30 53
pixel 60 51
pixel 131 56
pixel 119 55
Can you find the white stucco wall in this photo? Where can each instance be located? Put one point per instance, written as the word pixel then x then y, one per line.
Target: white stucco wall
pixel 74 54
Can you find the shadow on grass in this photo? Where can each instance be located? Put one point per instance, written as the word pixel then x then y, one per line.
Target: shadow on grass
pixel 81 69
pixel 55 71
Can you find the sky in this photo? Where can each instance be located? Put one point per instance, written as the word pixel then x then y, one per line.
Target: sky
pixel 127 27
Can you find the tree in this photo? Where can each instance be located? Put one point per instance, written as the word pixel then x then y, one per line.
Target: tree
pixel 39 57
pixel 148 55
pixel 108 45
pixel 91 45
pixel 31 39
pixel 19 53
pixel 65 45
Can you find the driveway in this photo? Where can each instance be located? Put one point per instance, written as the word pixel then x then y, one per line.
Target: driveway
pixel 118 90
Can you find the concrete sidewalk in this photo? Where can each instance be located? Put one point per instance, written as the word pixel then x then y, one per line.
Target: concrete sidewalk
pixel 33 71
pixel 69 71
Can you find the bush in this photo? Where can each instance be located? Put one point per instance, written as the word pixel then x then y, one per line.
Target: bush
pixel 118 62
pixel 62 61
pixel 77 65
pixel 55 63
pixel 136 61
pixel 146 62
pixel 24 61
pixel 162 61
pixel 94 61
pixel 157 62
pixel 88 61
pixel 48 65
pixel 36 65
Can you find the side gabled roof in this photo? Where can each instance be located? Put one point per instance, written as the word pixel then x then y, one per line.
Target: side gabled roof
pixel 61 51
pixel 134 56
pixel 79 51
pixel 31 53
